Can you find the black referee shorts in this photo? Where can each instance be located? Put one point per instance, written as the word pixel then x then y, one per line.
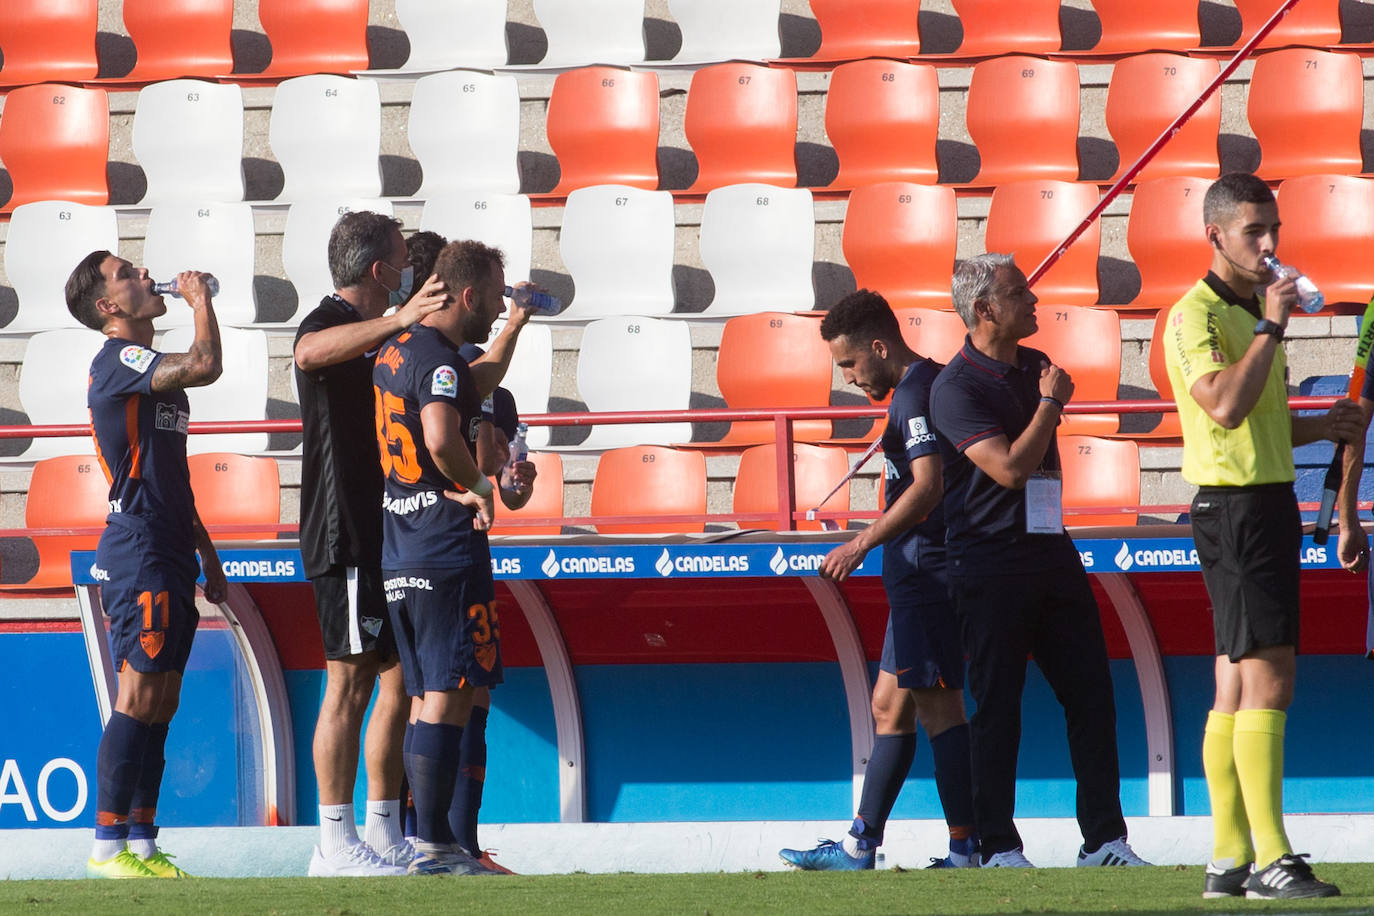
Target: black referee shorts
pixel 351 606
pixel 1248 541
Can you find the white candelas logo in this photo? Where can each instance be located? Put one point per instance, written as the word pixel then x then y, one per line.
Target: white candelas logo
pixel 918 432
pixel 505 566
pixel 1159 557
pixel 735 563
pixel 444 382
pixel 13 790
pixel 259 569
pixel 1086 558
pixel 584 566
pixel 1123 558
pixel 136 358
pixel 664 564
pixel 778 564
pixel 550 565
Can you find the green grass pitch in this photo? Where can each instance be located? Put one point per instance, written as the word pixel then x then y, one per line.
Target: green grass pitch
pixel 1054 890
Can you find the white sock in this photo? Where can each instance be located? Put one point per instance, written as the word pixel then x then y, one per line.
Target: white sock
pixel 105 850
pixel 851 845
pixel 143 848
pixel 384 824
pixel 337 829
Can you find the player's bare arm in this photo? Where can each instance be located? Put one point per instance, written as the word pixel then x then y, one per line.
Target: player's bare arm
pixel 1012 463
pixel 915 503
pixel 443 430
pixel 216 588
pixel 341 343
pixel 1353 545
pixel 203 362
pixel 490 368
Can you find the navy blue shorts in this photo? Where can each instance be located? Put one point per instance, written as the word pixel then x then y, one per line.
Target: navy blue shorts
pixel 447 631
pixel 922 646
pixel 148 590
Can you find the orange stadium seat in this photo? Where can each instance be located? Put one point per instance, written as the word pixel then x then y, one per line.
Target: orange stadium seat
pixel 1166 239
pixel 48 40
pixel 1328 232
pixel 1306 108
pixel 899 239
pixel 1169 428
pixel 815 470
pixel 1131 27
pixel 1023 117
pixel 1086 342
pixel 313 36
pixel 603 127
pixel 55 140
pixel 235 489
pixel 773 359
pixel 1315 23
pixel 1099 473
pixel 1030 219
pixel 185 38
pixel 649 480
pixel 882 118
pixel 995 27
pixel 1146 94
pixel 70 491
pixel 545 503
pixel 741 121
pixel 855 29
pixel 934 334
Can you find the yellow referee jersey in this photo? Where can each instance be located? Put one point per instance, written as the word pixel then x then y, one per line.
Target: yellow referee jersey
pixel 1208 330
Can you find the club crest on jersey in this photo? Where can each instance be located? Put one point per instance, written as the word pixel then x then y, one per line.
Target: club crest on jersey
pixel 444 382
pixel 136 358
pixel 171 419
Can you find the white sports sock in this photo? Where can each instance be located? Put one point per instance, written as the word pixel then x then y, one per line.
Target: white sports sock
pixel 143 848
pixel 851 845
pixel 105 850
pixel 384 824
pixel 337 829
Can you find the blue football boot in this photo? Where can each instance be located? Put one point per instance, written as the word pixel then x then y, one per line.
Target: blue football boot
pixel 828 856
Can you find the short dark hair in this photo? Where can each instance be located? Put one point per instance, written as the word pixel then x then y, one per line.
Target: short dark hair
pixel 467 262
pixel 1230 191
pixel 862 316
pixel 358 240
pixel 423 250
pixel 84 287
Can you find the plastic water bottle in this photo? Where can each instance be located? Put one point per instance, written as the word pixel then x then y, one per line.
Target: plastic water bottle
pixel 540 302
pixel 519 448
pixel 1309 297
pixel 169 287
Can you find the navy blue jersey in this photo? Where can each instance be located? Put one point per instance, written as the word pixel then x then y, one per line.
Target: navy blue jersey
pixel 974 398
pixel 140 439
pixel 910 435
pixel 421 528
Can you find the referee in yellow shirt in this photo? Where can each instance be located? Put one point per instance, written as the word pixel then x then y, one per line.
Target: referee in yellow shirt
pixel 1228 373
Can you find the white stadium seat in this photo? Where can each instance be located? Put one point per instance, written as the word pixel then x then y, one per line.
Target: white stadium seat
pixel 714 30
pixel 46 240
pixel 582 32
pixel 501 220
pixel 617 243
pixel 217 238
pixel 326 132
pixel 634 363
pixel 445 34
pixel 530 376
pixel 758 241
pixel 465 130
pixel 188 137
pixel 305 247
pixel 240 393
pixel 52 387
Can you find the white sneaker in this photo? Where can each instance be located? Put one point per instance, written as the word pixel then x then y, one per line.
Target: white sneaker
pixel 356 861
pixel 1117 852
pixel 1012 858
pixel 400 855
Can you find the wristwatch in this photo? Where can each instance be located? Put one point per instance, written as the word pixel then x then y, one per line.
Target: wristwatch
pixel 1265 326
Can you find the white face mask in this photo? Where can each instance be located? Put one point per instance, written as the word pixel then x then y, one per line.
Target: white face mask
pixel 398 296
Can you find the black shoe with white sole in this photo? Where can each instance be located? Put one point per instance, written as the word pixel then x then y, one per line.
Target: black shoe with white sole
pixel 1288 877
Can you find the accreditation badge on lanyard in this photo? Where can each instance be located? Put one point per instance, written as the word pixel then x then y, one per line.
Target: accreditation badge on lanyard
pixel 1044 505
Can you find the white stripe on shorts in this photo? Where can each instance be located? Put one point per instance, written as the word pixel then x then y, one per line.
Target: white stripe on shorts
pixel 355 635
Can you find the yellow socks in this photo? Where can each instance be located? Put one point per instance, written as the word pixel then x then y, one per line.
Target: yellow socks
pixel 1258 750
pixel 1230 827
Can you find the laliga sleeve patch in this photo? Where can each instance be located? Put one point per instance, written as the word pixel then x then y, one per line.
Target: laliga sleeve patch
pixel 136 358
pixel 444 382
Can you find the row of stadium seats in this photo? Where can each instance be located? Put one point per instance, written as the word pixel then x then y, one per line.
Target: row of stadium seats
pixel 769 360
pixel 882 117
pixel 55 40
pixel 619 245
pixel 242 491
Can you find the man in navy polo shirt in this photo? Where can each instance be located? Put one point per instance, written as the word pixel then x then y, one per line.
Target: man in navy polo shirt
pixel 1018 585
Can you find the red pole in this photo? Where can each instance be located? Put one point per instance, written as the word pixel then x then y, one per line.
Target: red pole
pixel 1162 139
pixel 787 491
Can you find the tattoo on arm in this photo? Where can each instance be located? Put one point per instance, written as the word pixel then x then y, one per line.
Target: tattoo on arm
pixel 200 365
